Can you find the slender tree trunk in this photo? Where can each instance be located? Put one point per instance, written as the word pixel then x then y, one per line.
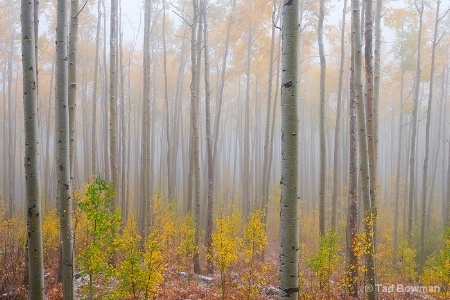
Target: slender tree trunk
pixel 368 58
pixel 72 89
pixel 195 162
pixel 364 154
pixel 352 265
pixel 32 177
pixel 338 124
pixel 265 174
pixel 94 93
pixel 246 160
pixel 113 97
pixel 427 143
pixel 63 154
pixel 322 129
pixel 209 145
pixel 106 157
pixel 289 218
pixel 376 82
pixel 412 157
pixel 170 184
pixel 12 132
pixel 399 157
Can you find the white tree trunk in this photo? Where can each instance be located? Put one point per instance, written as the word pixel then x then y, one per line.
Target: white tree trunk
pixel 32 178
pixel 289 219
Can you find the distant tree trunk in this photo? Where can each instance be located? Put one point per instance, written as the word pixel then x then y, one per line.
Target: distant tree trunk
pixel 32 177
pixel 106 157
pixel 323 150
pixel 338 123
pixel 72 89
pixel 246 160
pixel 49 159
pixel 63 153
pixel 10 188
pixel 170 184
pixel 352 265
pixel 412 157
pixel 376 82
pixel 364 153
pixel 195 159
pixel 113 97
pixel 427 143
pixel 209 145
pixel 94 93
pixel 289 218
pixel 399 156
pixel 144 199
pixel 265 174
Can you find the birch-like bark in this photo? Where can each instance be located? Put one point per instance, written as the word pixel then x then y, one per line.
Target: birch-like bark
pixel 289 218
pixel 352 265
pixel 31 162
pixel 63 165
pixel 364 154
pixel 72 89
pixel 368 59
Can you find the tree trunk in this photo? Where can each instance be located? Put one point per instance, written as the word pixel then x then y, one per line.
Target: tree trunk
pixel 412 157
pixel 72 89
pixel 368 57
pixel 265 174
pixel 352 265
pixel 32 178
pixel 195 159
pixel 364 154
pixel 113 97
pixel 63 153
pixel 246 160
pixel 427 144
pixel 94 93
pixel 323 150
pixel 209 146
pixel 289 219
pixel 338 123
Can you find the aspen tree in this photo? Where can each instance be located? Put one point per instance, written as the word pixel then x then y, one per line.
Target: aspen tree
pixel 427 141
pixel 72 88
pixel 63 154
pixel 364 154
pixel 338 123
pixel 412 157
pixel 289 218
pixel 323 150
pixel 32 179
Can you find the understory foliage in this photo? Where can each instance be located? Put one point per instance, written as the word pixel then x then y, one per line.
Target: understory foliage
pixel 122 264
pixel 326 259
pixel 437 268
